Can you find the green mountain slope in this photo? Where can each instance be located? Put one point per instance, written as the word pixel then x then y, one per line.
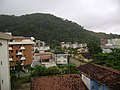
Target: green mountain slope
pixel 49 28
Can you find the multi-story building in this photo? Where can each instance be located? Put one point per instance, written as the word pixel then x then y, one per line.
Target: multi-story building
pixel 41 46
pixel 113 42
pixel 61 58
pixel 4 62
pixel 73 45
pixel 21 50
pixel 43 58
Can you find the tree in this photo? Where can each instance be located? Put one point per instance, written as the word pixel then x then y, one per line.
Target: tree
pixel 18 68
pixel 53 70
pixel 36 50
pixel 94 48
pixel 38 70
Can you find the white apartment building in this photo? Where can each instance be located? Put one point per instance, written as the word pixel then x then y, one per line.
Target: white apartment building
pixel 41 46
pixel 115 42
pixel 4 62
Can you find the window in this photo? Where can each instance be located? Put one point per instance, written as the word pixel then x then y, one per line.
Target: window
pixel 92 87
pixel 2 81
pixel 20 50
pixel 16 51
pixel 64 61
pixel 65 56
pixel 11 51
pixel 1 62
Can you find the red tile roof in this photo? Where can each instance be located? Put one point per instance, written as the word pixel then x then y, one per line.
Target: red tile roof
pixel 102 74
pixel 64 82
pixel 44 55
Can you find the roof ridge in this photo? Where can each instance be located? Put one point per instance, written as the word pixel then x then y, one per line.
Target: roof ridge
pixel 108 68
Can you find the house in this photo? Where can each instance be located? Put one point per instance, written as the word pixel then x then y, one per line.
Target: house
pixel 98 77
pixel 21 50
pixel 43 58
pixel 73 45
pixel 61 58
pixel 84 52
pixel 62 82
pixel 41 46
pixel 4 62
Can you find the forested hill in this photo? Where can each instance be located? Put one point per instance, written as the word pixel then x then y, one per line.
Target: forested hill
pixel 49 28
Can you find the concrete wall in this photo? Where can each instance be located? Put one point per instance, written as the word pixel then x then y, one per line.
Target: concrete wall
pixel 93 85
pixel 86 81
pixel 4 66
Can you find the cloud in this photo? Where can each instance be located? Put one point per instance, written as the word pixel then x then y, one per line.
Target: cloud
pixel 96 15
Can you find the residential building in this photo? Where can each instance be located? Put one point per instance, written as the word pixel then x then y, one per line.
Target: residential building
pixel 61 58
pixel 65 45
pixel 73 45
pixel 21 50
pixel 98 77
pixel 43 58
pixel 41 46
pixel 113 42
pixel 4 62
pixel 110 44
pixel 60 82
pixel 84 52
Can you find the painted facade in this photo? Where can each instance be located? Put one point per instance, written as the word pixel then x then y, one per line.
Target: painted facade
pixel 43 58
pixel 21 50
pixel 4 63
pixel 93 84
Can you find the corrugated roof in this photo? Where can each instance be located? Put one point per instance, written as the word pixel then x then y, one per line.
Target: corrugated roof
pixel 5 36
pixel 64 82
pixel 107 76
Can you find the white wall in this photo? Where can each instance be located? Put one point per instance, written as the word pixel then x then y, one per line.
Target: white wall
pixel 61 59
pixel 4 66
pixel 86 81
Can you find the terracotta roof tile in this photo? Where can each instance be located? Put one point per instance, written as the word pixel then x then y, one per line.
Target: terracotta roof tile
pixel 64 82
pixel 108 76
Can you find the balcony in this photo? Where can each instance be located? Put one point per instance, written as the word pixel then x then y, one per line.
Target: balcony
pixel 19 53
pixel 10 48
pixel 22 58
pixel 22 63
pixel 22 48
pixel 10 59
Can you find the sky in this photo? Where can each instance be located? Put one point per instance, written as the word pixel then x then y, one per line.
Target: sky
pixel 94 15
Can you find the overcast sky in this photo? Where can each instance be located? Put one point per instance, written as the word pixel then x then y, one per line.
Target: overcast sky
pixel 95 15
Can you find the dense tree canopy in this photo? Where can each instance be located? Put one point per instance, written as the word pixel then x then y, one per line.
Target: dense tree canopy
pixel 49 28
pixel 109 59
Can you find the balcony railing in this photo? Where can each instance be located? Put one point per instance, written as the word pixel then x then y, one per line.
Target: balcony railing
pixel 22 48
pixel 10 48
pixel 22 58
pixel 19 53
pixel 10 59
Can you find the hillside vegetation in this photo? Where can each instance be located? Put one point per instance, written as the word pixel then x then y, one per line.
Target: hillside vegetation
pixel 49 28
